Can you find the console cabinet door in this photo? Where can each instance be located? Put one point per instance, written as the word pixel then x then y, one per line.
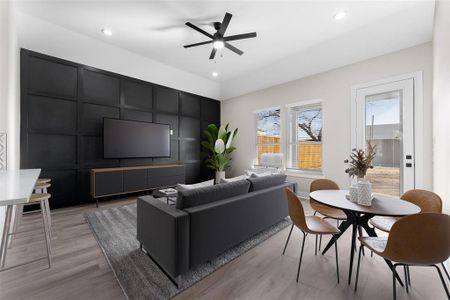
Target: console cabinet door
pixel 107 183
pixel 134 180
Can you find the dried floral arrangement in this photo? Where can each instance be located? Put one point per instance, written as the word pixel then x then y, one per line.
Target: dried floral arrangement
pixel 360 161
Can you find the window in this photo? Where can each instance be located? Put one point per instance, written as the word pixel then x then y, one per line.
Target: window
pixel 267 132
pixel 305 136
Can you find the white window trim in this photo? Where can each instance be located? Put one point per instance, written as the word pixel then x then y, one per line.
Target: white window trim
pixel 301 173
pixel 418 117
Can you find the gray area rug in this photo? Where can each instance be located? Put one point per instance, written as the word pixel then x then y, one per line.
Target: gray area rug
pixel 138 275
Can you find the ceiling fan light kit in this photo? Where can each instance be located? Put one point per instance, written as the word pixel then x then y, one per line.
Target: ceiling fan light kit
pixel 218 39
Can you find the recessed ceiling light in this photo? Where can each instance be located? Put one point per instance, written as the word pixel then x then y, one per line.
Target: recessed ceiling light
pixel 107 31
pixel 339 15
pixel 219 44
pixel 215 74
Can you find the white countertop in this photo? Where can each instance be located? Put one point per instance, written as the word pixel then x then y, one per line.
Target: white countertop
pixel 16 186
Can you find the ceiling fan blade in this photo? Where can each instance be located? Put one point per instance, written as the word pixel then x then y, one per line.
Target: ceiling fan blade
pixel 225 22
pixel 234 49
pixel 213 53
pixel 198 44
pixel 240 36
pixel 199 30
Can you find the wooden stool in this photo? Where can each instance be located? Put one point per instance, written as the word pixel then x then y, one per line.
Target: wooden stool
pixel 43 180
pixel 42 184
pixel 42 200
pixel 41 187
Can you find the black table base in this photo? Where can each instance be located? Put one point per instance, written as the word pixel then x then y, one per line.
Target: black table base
pixel 357 221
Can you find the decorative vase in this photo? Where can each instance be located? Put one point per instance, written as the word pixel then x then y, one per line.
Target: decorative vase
pixel 364 192
pixel 353 197
pixel 219 175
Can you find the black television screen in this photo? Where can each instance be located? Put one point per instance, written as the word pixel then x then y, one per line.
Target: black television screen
pixel 132 139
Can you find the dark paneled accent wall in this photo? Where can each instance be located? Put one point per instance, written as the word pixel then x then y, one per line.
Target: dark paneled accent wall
pixel 62 109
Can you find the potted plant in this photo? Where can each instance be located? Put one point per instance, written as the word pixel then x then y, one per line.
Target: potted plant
pixel 360 161
pixel 218 148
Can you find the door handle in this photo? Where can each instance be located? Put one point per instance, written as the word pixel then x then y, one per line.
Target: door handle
pixel 408 156
pixel 409 165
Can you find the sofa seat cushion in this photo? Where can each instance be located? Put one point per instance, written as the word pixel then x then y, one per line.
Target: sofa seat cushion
pixel 204 195
pixel 259 183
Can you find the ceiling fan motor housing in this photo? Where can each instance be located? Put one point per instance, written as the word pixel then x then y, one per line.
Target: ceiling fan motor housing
pixel 217 25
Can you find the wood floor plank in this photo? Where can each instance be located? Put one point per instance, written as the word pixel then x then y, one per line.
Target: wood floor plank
pixel 80 270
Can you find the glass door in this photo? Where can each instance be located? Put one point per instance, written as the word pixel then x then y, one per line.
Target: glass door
pixel 385 115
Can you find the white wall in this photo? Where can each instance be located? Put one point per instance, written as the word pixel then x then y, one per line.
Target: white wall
pixel 441 101
pixel 333 87
pixel 41 36
pixel 9 87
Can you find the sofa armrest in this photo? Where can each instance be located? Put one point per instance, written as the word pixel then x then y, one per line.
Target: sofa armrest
pixel 163 230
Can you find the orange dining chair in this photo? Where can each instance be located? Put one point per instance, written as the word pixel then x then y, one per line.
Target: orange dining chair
pixel 308 225
pixel 416 240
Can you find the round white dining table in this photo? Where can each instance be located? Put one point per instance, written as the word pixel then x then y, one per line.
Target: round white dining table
pixel 358 216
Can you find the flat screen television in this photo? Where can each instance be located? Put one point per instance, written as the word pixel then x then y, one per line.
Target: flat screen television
pixel 134 139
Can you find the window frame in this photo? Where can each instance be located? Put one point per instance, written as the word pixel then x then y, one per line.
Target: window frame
pixel 290 137
pixel 255 121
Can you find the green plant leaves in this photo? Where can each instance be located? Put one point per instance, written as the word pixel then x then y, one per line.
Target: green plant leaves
pixel 217 146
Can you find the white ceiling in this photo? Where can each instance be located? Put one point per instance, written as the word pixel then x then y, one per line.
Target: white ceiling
pixel 295 38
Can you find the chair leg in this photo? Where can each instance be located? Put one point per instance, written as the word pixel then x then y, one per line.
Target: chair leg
pixel 409 275
pixel 315 250
pixel 320 242
pixel 46 233
pixel 301 256
pixel 357 267
pixel 394 282
pixel 446 271
pixel 289 236
pixel 405 270
pixel 443 281
pixel 337 261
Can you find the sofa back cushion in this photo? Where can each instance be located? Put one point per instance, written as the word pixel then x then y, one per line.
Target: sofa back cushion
pixel 203 195
pixel 259 183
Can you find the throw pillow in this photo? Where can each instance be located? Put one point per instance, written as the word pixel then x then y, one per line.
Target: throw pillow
pixel 231 179
pixel 184 187
pixel 262 174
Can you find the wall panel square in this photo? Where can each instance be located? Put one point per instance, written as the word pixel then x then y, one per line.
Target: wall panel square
pixel 52 115
pixel 51 78
pixel 190 128
pixel 190 150
pixel 166 100
pixel 49 151
pixel 210 110
pixel 101 88
pixel 190 104
pixel 139 95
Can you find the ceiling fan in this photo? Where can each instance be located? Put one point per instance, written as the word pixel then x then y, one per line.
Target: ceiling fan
pixel 218 39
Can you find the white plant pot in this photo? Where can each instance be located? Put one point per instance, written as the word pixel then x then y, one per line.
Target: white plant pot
pixel 364 192
pixel 219 175
pixel 353 194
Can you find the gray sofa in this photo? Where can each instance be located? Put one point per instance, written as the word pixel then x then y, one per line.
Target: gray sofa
pixel 207 221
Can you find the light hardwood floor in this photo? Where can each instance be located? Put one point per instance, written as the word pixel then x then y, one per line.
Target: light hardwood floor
pixel 80 271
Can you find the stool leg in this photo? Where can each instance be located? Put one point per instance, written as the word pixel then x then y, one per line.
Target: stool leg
pixel 47 239
pixel 49 217
pixel 4 242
